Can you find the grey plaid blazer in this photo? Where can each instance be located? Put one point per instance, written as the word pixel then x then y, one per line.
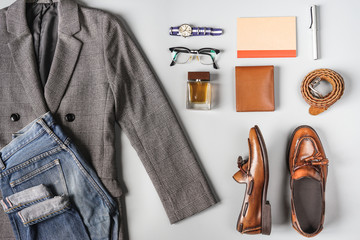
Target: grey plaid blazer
pixel 98 74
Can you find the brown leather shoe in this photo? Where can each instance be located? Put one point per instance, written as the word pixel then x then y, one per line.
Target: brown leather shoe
pixel 255 215
pixel 308 169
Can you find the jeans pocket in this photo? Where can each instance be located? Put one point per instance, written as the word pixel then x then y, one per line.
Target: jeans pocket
pixel 46 172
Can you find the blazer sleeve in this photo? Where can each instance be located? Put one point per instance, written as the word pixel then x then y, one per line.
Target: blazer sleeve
pixel 144 114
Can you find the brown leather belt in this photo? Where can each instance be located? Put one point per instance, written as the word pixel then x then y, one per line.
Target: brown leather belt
pixel 317 102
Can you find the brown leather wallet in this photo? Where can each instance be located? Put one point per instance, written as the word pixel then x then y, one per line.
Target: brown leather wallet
pixel 254 88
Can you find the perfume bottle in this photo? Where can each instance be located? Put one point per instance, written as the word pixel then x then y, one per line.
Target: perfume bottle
pixel 198 91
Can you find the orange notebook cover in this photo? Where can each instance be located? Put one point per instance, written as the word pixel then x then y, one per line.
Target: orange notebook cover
pixel 266 37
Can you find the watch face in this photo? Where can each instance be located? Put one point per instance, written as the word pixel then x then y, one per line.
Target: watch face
pixel 185 30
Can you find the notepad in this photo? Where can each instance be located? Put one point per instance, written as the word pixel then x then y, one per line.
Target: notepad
pixel 266 37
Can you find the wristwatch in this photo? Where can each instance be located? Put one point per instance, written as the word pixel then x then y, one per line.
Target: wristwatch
pixel 185 30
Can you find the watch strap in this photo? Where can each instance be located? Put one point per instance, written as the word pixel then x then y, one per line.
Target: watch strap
pixel 203 31
pixel 174 31
pixel 198 31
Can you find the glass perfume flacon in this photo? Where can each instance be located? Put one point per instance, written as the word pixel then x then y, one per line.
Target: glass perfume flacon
pixel 198 95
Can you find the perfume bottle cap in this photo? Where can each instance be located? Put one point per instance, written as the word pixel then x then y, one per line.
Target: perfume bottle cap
pixel 199 75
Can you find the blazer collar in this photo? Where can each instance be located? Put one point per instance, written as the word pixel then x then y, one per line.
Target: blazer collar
pixel 66 54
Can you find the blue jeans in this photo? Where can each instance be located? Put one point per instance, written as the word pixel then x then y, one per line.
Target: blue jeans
pixel 49 190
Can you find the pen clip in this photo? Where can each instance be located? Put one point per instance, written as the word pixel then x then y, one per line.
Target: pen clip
pixel 311 18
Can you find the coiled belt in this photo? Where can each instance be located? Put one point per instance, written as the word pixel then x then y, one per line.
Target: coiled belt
pixel 317 102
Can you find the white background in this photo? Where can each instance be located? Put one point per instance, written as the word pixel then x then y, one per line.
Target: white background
pixel 220 135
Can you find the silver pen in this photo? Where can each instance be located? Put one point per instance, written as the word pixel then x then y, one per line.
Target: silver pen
pixel 314 27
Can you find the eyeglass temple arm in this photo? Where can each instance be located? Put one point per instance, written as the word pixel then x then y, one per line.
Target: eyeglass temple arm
pixel 173 60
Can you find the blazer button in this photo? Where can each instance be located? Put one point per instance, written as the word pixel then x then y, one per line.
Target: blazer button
pixel 70 117
pixel 15 117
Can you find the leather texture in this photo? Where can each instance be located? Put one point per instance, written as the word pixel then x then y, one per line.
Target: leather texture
pixel 322 103
pixel 98 75
pixel 254 88
pixel 255 215
pixel 308 167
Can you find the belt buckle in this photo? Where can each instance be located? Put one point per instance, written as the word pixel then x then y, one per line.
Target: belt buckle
pixel 314 83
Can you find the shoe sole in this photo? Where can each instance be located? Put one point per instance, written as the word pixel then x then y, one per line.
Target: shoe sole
pixel 265 206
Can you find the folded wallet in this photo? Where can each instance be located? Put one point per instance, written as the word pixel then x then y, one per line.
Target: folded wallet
pixel 254 88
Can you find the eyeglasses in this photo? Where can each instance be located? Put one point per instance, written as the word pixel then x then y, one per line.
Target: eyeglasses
pixel 183 55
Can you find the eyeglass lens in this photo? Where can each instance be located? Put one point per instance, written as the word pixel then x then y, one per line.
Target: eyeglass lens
pixel 180 57
pixel 207 57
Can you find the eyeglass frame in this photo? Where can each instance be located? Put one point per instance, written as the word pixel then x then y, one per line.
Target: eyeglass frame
pixel 194 52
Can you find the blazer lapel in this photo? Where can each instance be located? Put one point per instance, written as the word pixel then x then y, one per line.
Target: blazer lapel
pixel 65 56
pixel 67 50
pixel 22 52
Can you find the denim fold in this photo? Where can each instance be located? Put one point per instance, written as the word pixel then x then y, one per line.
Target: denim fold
pixel 50 191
